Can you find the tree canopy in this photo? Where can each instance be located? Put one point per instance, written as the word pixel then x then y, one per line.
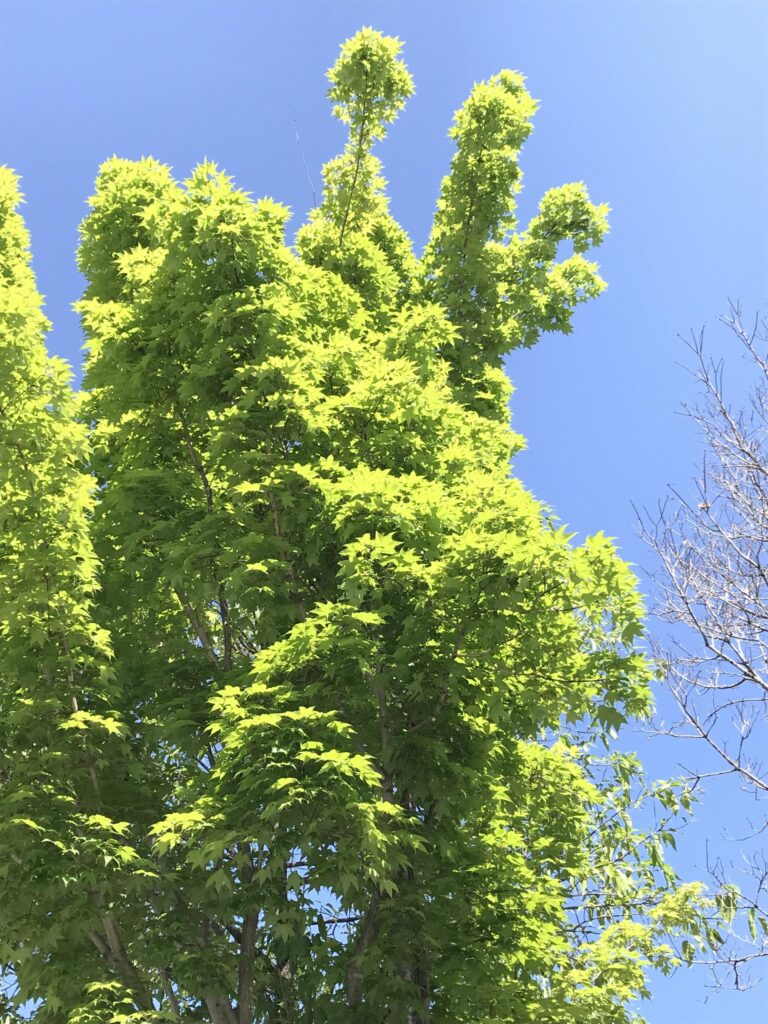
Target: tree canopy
pixel 302 693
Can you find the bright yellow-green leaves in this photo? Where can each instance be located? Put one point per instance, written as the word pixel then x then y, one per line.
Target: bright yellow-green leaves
pixel 501 287
pixel 478 194
pixel 63 759
pixel 339 680
pixel 369 83
pixel 352 233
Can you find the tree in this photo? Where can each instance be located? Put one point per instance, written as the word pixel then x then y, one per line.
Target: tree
pixel 712 587
pixel 301 692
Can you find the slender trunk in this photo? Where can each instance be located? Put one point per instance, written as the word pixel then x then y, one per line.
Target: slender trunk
pixel 296 597
pixel 361 141
pixel 220 1009
pixel 420 975
pixel 170 995
pixel 111 949
pixel 199 467
pixel 369 929
pixel 246 969
pixel 197 624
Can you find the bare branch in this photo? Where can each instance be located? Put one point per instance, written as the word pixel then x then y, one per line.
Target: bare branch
pixel 711 545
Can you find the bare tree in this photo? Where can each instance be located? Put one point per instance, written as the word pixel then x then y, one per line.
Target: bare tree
pixel 712 589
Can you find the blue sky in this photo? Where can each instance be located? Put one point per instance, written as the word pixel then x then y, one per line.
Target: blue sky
pixel 661 107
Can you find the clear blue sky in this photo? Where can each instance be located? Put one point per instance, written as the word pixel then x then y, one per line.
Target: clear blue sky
pixel 661 107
